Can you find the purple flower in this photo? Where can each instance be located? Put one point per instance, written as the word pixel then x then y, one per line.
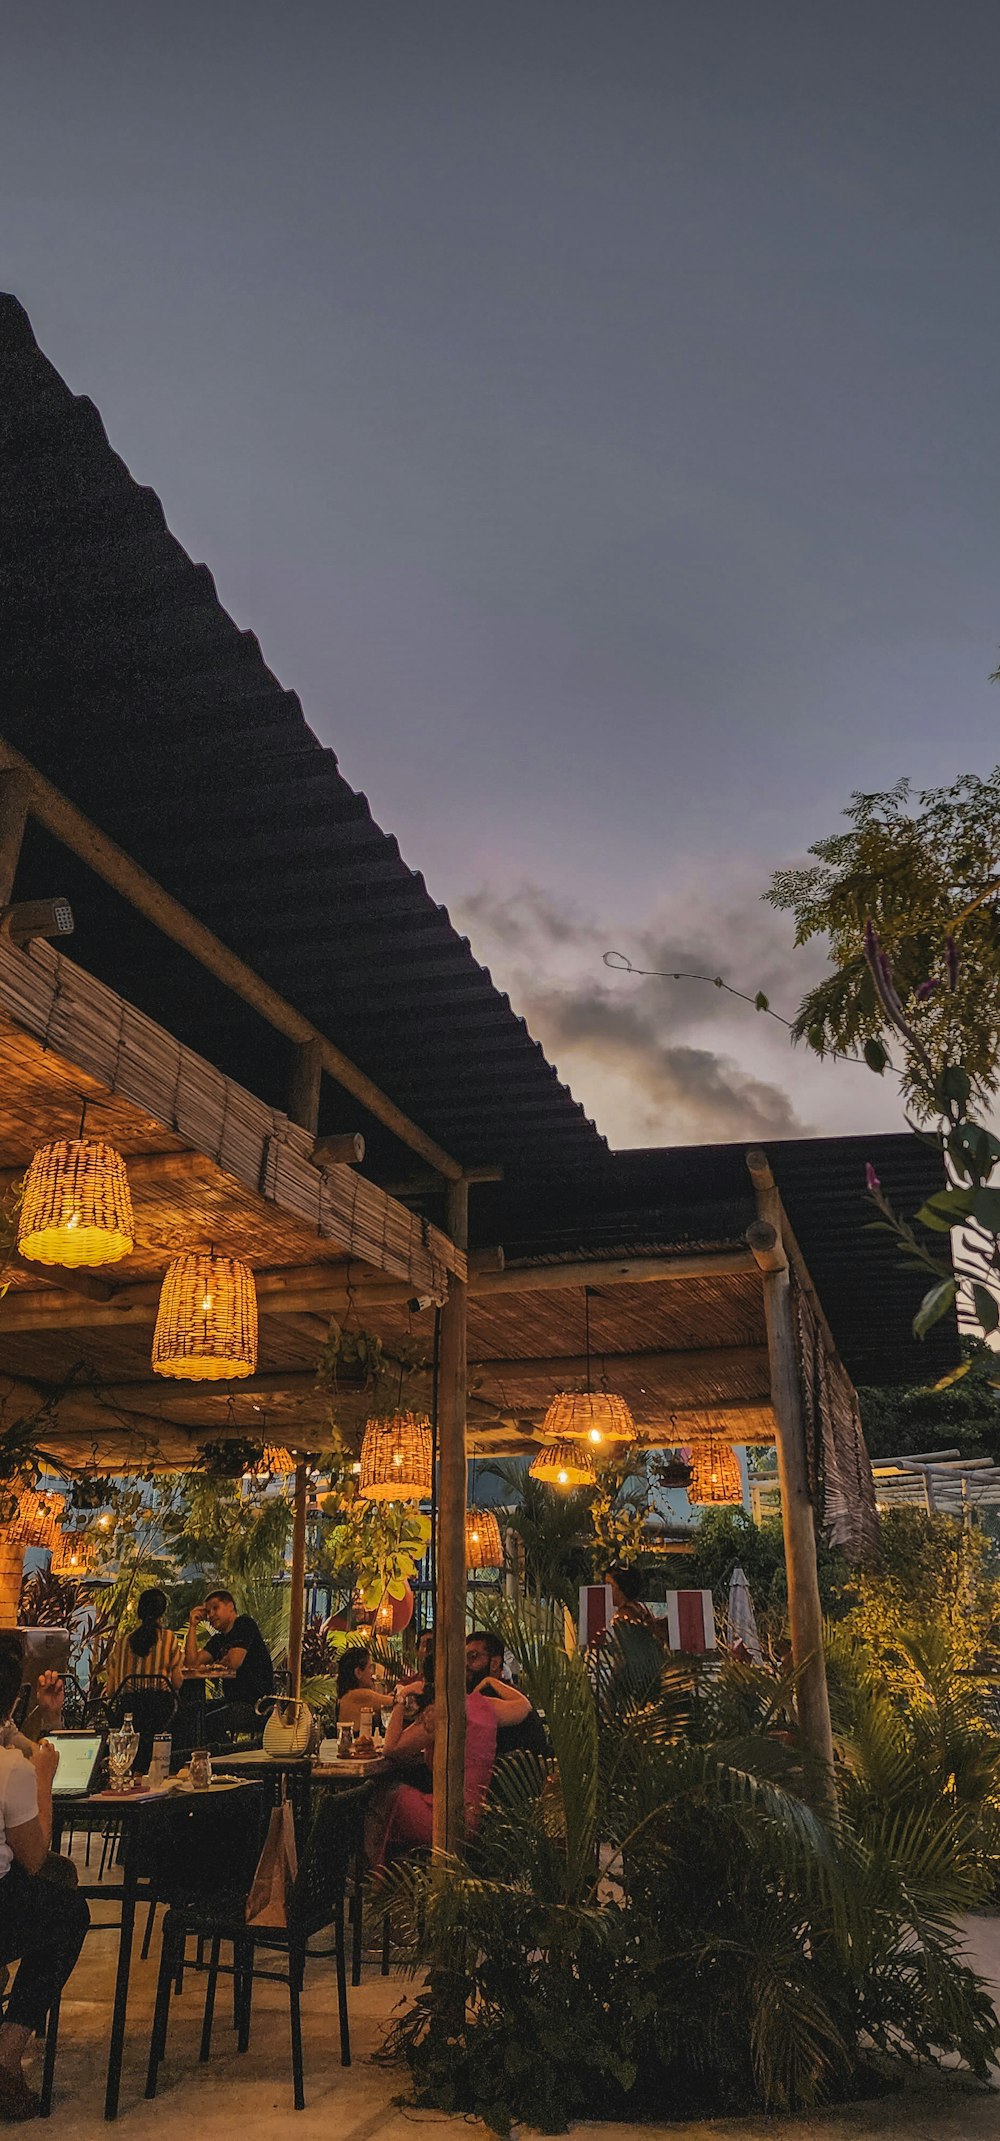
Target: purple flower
pixel 872 1182
pixel 927 989
pixel 951 961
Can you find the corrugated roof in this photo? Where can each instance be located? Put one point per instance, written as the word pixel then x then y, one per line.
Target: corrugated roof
pixel 647 1202
pixel 125 681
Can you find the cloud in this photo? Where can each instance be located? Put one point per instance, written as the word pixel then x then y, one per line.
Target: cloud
pixel 680 1094
pixel 653 1061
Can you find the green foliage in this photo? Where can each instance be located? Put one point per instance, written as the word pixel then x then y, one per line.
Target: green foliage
pixel 934 1577
pixel 575 1537
pixel 723 1537
pixel 725 1949
pixel 918 867
pixel 239 1541
pixel 370 1547
pixel 965 1416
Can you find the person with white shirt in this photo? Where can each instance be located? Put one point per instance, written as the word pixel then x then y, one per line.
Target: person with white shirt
pixel 42 1922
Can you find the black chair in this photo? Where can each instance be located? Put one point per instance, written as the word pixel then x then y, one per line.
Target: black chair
pixel 150 1701
pixel 316 1902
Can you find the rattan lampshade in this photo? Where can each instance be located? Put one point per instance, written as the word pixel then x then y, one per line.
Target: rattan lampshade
pixel 715 1473
pixel 76 1207
pixel 589 1416
pixel 73 1554
pixel 397 1459
pixel 483 1544
pixel 37 1520
pixel 565 1464
pixel 206 1323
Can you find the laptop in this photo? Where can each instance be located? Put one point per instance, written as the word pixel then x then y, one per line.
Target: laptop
pixel 79 1761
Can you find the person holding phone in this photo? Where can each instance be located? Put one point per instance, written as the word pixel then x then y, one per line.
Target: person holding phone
pixel 43 1922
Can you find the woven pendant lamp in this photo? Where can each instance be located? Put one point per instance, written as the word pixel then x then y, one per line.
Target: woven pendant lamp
pixel 73 1554
pixel 206 1323
pixel 597 1417
pixel 76 1207
pixel 483 1544
pixel 397 1459
pixel 715 1473
pixel 565 1464
pixel 37 1520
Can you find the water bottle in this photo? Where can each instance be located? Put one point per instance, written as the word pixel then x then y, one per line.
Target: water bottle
pixel 159 1761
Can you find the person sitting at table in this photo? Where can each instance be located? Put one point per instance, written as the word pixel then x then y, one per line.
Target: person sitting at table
pixel 356 1687
pixel 149 1651
pixel 235 1646
pixel 411 1812
pixel 43 1923
pixel 519 1730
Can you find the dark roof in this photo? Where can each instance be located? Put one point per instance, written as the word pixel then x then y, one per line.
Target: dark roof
pixel 699 1197
pixel 125 681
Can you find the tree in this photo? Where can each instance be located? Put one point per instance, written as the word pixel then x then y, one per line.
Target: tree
pixel 924 870
pixel 965 1416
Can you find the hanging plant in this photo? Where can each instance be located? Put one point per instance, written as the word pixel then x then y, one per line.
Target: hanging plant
pixel 229 1460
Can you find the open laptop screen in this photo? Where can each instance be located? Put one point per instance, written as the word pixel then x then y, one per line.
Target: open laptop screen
pixel 79 1754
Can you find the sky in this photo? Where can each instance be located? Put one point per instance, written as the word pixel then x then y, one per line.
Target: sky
pixel 592 410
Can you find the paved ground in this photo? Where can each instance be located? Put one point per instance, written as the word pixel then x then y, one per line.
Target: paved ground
pixel 250 2097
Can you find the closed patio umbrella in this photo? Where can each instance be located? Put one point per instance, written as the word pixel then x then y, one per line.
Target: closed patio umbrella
pixel 742 1620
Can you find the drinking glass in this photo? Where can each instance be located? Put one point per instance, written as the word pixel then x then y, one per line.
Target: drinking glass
pixel 123 1746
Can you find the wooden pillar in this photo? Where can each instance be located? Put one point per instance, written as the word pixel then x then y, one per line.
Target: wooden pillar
pixel 304 1084
pixel 297 1611
pixel 451 1575
pixel 15 789
pixel 805 1612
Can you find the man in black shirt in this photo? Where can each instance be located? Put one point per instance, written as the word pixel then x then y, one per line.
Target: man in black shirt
pixel 484 1662
pixel 237 1646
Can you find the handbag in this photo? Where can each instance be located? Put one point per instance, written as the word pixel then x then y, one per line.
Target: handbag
pixel 289 1729
pixel 277 1866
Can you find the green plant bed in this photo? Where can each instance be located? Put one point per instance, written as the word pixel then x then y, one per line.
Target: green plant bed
pixel 661 1924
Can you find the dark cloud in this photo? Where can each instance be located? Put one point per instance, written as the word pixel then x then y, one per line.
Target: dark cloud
pixel 682 1094
pixel 632 1047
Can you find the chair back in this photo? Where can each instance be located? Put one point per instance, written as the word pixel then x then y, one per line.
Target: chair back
pixel 207 1846
pixel 334 1839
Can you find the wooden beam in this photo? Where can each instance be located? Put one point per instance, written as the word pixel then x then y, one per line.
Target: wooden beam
pixel 347 1150
pixel 304 1085
pixel 305 1290
pixel 297 1607
pixel 15 794
pixel 450 1564
pixel 709 1361
pixel 140 1166
pixel 110 862
pixel 609 1271
pixel 805 1612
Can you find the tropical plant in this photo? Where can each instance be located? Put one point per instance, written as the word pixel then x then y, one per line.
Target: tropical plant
pixel 924 871
pixel 371 1548
pixel 934 1576
pixel 660 1916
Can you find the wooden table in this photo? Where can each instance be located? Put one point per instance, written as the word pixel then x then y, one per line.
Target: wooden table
pixel 137 1812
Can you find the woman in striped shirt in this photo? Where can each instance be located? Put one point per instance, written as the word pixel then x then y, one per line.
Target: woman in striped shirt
pixel 150 1650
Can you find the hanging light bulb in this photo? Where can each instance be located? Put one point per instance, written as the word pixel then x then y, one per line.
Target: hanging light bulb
pixel 565 1464
pixel 76 1207
pixel 397 1459
pixel 715 1474
pixel 594 1416
pixel 206 1323
pixel 483 1544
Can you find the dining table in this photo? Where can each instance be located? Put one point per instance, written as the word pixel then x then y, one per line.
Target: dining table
pixel 137 1814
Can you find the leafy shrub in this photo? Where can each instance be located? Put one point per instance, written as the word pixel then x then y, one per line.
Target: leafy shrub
pixel 660 1920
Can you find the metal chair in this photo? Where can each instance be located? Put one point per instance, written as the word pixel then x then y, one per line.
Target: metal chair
pixel 316 1902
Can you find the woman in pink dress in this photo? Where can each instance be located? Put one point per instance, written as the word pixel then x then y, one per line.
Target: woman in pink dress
pixel 411 1814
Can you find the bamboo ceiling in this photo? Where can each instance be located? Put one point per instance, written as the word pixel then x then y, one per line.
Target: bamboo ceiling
pixel 211 1166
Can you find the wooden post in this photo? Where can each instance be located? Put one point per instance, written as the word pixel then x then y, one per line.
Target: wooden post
pixel 450 1569
pixel 304 1085
pixel 297 1610
pixel 805 1612
pixel 15 789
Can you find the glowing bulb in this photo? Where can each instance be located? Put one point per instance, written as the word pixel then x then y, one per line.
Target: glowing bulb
pixel 397 1457
pixel 73 1221
pixel 595 1435
pixel 475 1538
pixel 564 1479
pixel 206 1305
pixel 356 1467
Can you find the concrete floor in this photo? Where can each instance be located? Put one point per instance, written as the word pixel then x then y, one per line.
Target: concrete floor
pixel 249 2097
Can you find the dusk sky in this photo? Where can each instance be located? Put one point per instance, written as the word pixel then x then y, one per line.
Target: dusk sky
pixel 592 409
